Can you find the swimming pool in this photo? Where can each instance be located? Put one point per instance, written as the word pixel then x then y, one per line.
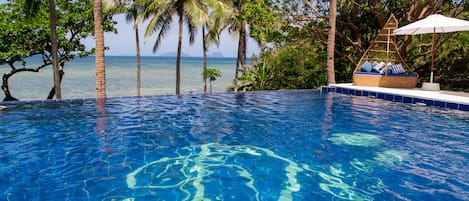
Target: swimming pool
pixel 278 145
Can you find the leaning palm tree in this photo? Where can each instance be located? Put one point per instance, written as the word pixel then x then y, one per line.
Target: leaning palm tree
pixel 131 10
pixel 161 14
pixel 99 39
pixel 237 25
pixel 220 11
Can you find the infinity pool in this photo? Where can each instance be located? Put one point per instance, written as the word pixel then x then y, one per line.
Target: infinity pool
pixel 279 145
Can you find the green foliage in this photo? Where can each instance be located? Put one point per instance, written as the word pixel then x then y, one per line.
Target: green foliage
pixel 211 73
pixel 289 67
pixel 22 37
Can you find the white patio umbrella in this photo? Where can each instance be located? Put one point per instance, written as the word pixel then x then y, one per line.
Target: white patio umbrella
pixel 433 24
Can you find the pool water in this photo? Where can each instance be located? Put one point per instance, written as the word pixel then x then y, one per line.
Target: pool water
pixel 278 145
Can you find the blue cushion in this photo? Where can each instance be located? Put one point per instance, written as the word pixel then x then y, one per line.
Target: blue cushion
pixel 366 67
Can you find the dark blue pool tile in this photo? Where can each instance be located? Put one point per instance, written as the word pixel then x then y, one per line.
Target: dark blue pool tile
pixel 339 90
pixel 388 97
pixel 452 106
pixel 351 92
pixel 439 104
pixel 345 91
pixel 417 100
pixel 373 94
pixel 398 98
pixel 324 89
pixel 358 93
pixel 463 107
pixel 428 102
pixel 380 95
pixel 365 93
pixel 407 100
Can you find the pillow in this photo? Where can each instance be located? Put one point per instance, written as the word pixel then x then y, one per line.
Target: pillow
pixel 366 67
pixel 379 66
pixel 397 68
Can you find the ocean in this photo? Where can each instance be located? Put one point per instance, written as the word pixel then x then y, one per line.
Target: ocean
pixel 158 76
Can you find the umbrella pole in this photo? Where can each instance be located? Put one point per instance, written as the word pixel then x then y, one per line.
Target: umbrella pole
pixel 433 55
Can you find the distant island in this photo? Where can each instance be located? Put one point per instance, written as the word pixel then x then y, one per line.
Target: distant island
pixel 216 54
pixel 173 54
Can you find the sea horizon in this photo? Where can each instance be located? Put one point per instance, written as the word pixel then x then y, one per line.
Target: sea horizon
pixel 158 77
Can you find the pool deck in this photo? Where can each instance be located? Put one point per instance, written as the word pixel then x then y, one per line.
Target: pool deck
pixel 443 99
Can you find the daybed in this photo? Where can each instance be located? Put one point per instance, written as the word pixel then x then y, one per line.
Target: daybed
pixel 381 65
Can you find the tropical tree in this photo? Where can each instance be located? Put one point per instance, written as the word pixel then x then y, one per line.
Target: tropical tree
pixel 22 37
pixel 161 14
pixel 211 74
pixel 99 40
pixel 31 8
pixel 331 42
pixel 131 10
pixel 252 15
pixel 219 12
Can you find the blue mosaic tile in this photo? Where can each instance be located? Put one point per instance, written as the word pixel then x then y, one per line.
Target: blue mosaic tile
pixel 439 104
pixel 463 107
pixel 408 100
pixel 373 94
pixel 380 95
pixel 345 91
pixel 324 89
pixel 351 91
pixel 428 102
pixel 452 106
pixel 398 98
pixel 339 90
pixel 388 97
pixel 417 100
pixel 358 93
pixel 365 93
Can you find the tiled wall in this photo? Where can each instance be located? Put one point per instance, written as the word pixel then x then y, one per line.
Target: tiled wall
pixel 396 98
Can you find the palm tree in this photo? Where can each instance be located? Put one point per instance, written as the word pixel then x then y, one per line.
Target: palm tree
pixel 220 12
pixel 331 42
pixel 237 24
pixel 99 39
pixel 161 14
pixel 131 10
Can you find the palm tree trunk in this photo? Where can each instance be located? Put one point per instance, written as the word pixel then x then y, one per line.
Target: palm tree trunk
pixel 243 48
pixel 137 41
pixel 204 45
pixel 331 42
pixel 238 62
pixel 54 49
pixel 178 59
pixel 99 39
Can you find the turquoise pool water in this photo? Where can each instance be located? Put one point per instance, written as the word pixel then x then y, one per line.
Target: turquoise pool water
pixel 279 145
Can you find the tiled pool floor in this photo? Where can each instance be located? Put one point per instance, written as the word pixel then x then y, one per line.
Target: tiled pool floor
pixel 444 99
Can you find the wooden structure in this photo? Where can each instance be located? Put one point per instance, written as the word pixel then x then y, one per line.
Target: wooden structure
pixel 384 49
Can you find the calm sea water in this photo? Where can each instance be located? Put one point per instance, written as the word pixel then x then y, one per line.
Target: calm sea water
pixel 277 145
pixel 158 77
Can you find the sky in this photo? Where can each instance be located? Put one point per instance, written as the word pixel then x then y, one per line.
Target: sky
pixel 123 43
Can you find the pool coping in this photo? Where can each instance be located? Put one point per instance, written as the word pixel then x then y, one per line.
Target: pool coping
pixel 441 99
